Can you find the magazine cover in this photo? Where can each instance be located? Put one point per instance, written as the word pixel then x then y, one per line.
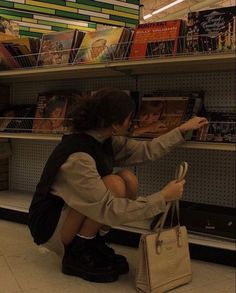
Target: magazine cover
pixel 158 115
pixel 156 39
pixel 221 128
pixel 78 38
pixel 6 116
pixel 17 118
pixel 50 113
pixel 211 30
pixel 99 45
pixel 8 29
pixel 7 60
pixel 55 48
pixel 21 51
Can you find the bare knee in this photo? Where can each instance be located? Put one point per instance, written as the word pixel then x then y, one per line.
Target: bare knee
pixel 128 176
pixel 131 182
pixel 116 185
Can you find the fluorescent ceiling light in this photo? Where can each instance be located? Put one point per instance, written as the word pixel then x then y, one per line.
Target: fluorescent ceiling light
pixel 147 16
pixel 162 9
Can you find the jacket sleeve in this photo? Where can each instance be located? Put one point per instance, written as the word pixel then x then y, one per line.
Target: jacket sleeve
pixel 132 152
pixel 82 189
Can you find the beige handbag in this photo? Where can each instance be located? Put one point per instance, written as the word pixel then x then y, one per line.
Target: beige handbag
pixel 164 260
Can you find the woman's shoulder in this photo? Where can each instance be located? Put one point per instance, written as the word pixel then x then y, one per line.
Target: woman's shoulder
pixel 79 160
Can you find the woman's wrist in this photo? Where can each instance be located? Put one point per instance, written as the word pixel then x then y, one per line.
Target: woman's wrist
pixel 182 129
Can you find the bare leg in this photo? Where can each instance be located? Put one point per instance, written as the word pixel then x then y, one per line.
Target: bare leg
pixel 78 223
pixel 131 183
pixel 71 226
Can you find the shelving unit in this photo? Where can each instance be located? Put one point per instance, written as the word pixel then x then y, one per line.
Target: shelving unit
pixel 192 63
pixel 187 144
pixel 212 165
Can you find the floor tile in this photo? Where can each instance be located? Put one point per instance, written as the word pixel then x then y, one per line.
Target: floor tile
pixel 3 262
pixel 20 253
pixel 8 281
pixel 66 288
pixel 25 269
pixel 14 231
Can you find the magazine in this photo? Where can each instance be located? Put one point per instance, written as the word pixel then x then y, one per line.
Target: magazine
pixel 56 48
pixel 211 30
pixel 22 51
pixel 101 45
pixel 156 39
pixel 50 113
pixel 221 128
pixel 17 118
pixel 158 115
pixel 7 60
pixel 53 111
pixel 8 29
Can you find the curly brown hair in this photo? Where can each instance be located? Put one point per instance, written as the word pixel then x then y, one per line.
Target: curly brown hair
pixel 102 109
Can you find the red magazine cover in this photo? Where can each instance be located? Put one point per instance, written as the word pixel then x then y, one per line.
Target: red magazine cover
pixel 156 39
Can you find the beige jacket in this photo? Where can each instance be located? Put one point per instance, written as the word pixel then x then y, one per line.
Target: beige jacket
pixel 82 188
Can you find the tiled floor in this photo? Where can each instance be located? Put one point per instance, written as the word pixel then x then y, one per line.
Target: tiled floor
pixel 23 268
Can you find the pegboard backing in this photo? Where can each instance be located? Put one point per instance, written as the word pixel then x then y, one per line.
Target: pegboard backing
pixel 27 162
pixel 210 179
pixel 219 87
pixel 28 92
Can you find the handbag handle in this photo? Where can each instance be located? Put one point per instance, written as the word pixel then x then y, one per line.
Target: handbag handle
pixel 180 173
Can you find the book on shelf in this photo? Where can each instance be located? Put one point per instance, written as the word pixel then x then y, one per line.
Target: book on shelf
pixel 211 30
pixel 17 118
pixel 221 128
pixel 53 112
pixel 156 39
pixel 163 111
pixel 59 48
pixel 103 45
pixel 9 29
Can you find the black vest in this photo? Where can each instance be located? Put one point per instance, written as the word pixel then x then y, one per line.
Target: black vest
pixel 45 208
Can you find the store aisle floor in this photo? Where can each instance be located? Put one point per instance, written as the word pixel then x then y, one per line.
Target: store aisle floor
pixel 25 269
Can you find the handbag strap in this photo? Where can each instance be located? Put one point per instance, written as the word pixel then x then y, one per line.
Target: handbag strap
pixel 181 171
pixel 180 174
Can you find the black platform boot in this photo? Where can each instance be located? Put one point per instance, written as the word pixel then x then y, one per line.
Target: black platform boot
pixel 82 260
pixel 118 261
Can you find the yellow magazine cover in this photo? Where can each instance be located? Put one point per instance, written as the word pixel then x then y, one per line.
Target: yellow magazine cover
pixel 99 46
pixel 8 29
